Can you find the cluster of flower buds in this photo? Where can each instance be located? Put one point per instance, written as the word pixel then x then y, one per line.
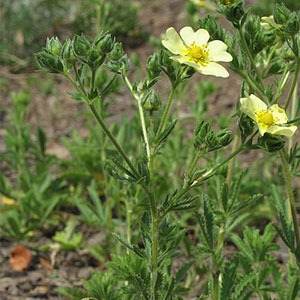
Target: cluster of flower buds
pixel 233 10
pixel 151 101
pixel 270 143
pixel 118 61
pixel 49 58
pixel 256 37
pixel 153 68
pixel 289 21
pixel 59 58
pixel 208 139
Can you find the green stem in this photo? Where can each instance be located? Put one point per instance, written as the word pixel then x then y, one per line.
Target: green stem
pixel 215 278
pixel 294 84
pixel 212 170
pixel 270 57
pixel 155 236
pixel 283 82
pixel 166 112
pixel 93 80
pixel 79 81
pixel 75 85
pixel 128 219
pixel 232 161
pixel 289 187
pixel 192 167
pixel 141 113
pixel 207 174
pixel 113 140
pixel 293 113
pixel 253 86
pixel 249 54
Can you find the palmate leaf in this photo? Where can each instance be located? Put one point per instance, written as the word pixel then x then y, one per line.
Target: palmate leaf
pixel 251 201
pixel 164 135
pixel 229 277
pixel 242 285
pixel 71 293
pixel 225 196
pixel 242 246
pixel 182 271
pixel 129 246
pixel 116 169
pixel 293 288
pixel 286 231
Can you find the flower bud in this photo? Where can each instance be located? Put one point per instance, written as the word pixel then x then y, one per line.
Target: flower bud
pixel 53 45
pixel 246 126
pixel 211 141
pixel 120 66
pixel 287 53
pixel 270 143
pixel 49 62
pixel 151 101
pixel 67 54
pixel 201 132
pixel 105 43
pixel 153 67
pixel 293 25
pixel 233 11
pixel 117 52
pixel 224 137
pixel 81 45
pixel 281 14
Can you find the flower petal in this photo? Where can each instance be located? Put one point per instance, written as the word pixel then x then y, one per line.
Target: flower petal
pixel 278 114
pixel 251 105
pixel 217 51
pixel 188 35
pixel 263 128
pixel 184 60
pixel 214 69
pixel 201 37
pixel 282 130
pixel 173 41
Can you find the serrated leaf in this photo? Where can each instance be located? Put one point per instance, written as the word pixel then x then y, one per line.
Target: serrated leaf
pixel 182 271
pixel 229 276
pixel 242 246
pixel 242 285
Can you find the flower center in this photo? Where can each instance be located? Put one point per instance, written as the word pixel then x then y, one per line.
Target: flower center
pixel 266 118
pixel 198 54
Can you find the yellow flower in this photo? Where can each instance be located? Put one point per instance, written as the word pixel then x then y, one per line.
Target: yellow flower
pixel 268 120
pixel 269 23
pixel 204 4
pixel 193 49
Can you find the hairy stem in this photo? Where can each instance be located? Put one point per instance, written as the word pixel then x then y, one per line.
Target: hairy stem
pixel 232 161
pixel 294 85
pixel 249 54
pixel 141 113
pixel 166 112
pixel 283 82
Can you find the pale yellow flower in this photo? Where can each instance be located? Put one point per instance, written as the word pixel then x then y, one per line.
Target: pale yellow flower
pixel 268 120
pixel 193 49
pixel 269 23
pixel 204 4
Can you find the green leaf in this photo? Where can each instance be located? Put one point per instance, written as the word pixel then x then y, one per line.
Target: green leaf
pixel 225 196
pixel 71 293
pixel 242 246
pixel 293 288
pixel 42 139
pixel 229 277
pixel 242 285
pixel 182 271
